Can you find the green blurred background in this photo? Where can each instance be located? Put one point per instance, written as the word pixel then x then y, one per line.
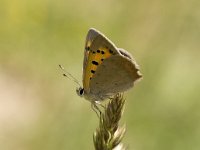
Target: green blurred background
pixel 39 109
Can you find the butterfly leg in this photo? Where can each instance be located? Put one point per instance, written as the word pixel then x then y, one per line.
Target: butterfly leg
pixel 96 109
pixel 100 104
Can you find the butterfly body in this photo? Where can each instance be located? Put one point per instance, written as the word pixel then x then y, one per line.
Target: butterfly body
pixel 107 70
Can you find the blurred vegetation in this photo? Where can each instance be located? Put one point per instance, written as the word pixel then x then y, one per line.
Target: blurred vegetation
pixel 39 109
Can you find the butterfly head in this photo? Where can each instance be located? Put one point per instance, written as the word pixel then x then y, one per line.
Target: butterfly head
pixel 80 91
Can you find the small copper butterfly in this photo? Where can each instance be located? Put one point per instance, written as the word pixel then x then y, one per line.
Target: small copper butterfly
pixel 107 70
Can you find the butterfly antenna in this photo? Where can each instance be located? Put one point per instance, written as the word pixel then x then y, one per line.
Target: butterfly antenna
pixel 69 75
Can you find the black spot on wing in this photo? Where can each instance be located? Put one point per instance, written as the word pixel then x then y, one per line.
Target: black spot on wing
pixel 102 52
pixel 87 48
pixel 92 71
pixel 95 63
pixel 111 51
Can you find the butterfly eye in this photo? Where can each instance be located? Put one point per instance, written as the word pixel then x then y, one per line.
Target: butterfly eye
pixel 80 91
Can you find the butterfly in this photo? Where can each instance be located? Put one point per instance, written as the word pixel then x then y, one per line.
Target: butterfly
pixel 107 70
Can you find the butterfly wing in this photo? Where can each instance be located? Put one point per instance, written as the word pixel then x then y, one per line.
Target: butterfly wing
pixel 116 74
pixel 98 48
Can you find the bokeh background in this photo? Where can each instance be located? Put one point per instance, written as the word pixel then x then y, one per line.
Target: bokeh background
pixel 39 109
